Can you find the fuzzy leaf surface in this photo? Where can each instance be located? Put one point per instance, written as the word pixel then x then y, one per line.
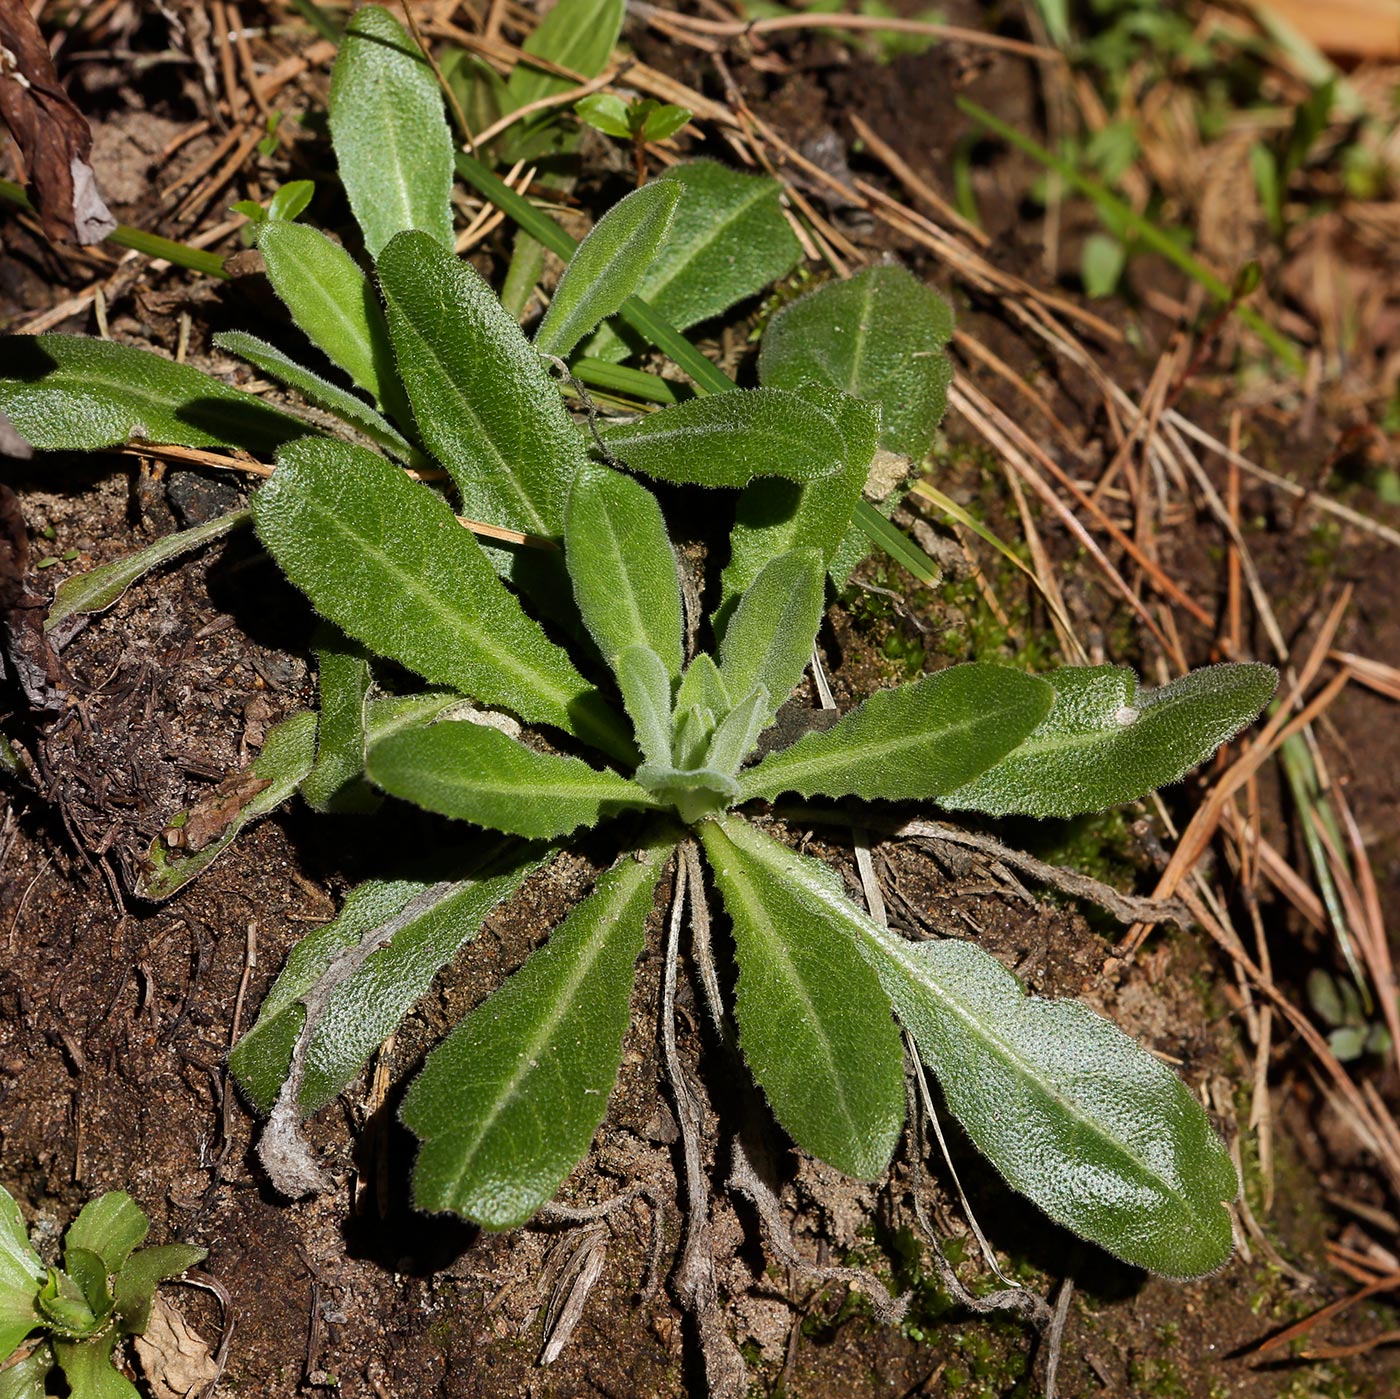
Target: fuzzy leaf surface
pixel 608 266
pixel 473 773
pixel 920 740
pixel 22 1274
pixel 646 692
pixel 729 240
pixel 737 733
pixel 877 336
pixel 332 302
pixel 626 580
pixel 485 404
pixel 1075 1114
pixel 384 558
pixel 506 1106
pixel 729 439
pixel 814 1025
pixel 336 782
pixel 415 927
pixel 702 687
pixel 324 394
pixel 98 588
pixel 768 641
pixel 392 143
pixel 286 758
pixel 109 1226
pixel 68 393
pixel 1105 741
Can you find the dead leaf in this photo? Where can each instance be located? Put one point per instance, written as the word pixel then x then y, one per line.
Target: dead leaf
pixel 22 640
pixel 176 1359
pixel 210 817
pixel 53 135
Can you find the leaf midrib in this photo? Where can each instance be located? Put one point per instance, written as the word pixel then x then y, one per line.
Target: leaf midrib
pixel 358 335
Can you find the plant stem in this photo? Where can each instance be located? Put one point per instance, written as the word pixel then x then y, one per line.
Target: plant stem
pixel 1123 216
pixel 152 244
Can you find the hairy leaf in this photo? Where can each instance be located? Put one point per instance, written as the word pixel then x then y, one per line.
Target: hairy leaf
pixel 400 934
pixel 508 1103
pixel 878 336
pixel 66 393
pixel 1106 742
pixel 729 439
pixel 391 139
pixel 109 1226
pixel 312 387
pixel 729 240
pixel 646 691
pixel 624 571
pixel 97 589
pixel 1098 1133
pixel 473 773
pixel 384 559
pixel 769 638
pixel 286 758
pixel 332 301
pixel 485 404
pixel 814 1025
pixel 336 782
pixel 21 1275
pixel 919 740
pixel 608 266
pixel 737 733
pixel 702 687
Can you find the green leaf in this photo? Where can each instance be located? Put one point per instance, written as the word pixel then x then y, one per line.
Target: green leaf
pixel 289 201
pixel 25 1379
pixel 508 1103
pixel 646 692
pixel 702 687
pixel 768 641
pixel 286 758
pixel 609 265
pixel 22 1274
pixel 1106 742
pixel 920 740
pixel 485 404
pixel 729 439
pixel 664 120
pixel 607 113
pixel 332 301
pixel 147 1268
pixel 67 393
pixel 1092 1128
pixel 694 727
pixel 1101 263
pixel 575 34
pixel 473 773
pixel 410 929
pixel 64 1308
pixel 878 336
pixel 391 138
pixel 336 782
pixel 87 1270
pixel 623 568
pixel 776 517
pixel 88 1368
pixel 738 732
pixel 729 240
pixel 814 1025
pixel 110 1226
pixel 384 558
pixel 312 387
pixel 97 589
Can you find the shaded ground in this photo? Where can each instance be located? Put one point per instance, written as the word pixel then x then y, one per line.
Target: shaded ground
pixel 115 1016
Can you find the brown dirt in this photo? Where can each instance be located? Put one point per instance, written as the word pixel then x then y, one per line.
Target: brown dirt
pixel 115 1015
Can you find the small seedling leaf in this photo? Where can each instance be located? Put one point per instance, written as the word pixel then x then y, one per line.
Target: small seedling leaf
pixel 605 112
pixel 814 1025
pixel 920 740
pixel 137 1282
pixel 88 1368
pixel 646 692
pixel 336 782
pixel 391 138
pixel 484 401
pixel 473 773
pixel 702 687
pixel 109 1226
pixel 608 266
pixel 1106 742
pixel 352 531
pixel 21 1275
pixel 99 588
pixel 506 1106
pixel 624 572
pixel 737 733
pixel 729 439
pixel 878 336
pixel 66 393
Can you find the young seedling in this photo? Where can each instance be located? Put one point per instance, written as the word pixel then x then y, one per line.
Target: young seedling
pixel 639 121
pixel 73 1317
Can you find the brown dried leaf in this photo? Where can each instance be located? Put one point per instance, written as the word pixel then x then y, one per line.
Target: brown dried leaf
pixel 176 1359
pixel 53 135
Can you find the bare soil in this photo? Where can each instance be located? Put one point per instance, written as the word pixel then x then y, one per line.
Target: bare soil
pixel 115 1015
